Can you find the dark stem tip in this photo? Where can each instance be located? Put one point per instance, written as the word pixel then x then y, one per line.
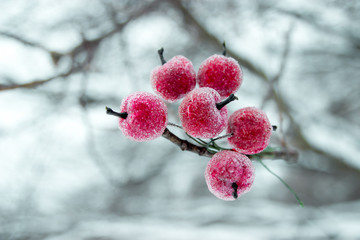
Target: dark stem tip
pixel 274 127
pixel 235 187
pixel 122 115
pixel 161 55
pixel 224 49
pixel 222 104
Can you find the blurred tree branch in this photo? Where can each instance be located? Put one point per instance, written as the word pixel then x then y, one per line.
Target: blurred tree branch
pixel 23 40
pixel 87 46
pixel 311 19
pixel 36 83
pixel 301 140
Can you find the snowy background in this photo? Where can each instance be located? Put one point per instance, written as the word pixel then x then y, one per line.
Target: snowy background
pixel 67 172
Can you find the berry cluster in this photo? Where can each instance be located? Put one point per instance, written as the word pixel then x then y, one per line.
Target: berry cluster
pixel 203 114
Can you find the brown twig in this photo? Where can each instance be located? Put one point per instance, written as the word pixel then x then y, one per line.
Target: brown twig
pixel 184 145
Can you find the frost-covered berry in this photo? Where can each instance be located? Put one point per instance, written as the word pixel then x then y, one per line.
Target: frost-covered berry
pixel 250 129
pixel 229 175
pixel 143 116
pixel 174 79
pixel 202 114
pixel 220 73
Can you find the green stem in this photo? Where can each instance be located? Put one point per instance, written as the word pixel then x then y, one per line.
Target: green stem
pixel 196 140
pixel 174 125
pixel 281 180
pixel 201 140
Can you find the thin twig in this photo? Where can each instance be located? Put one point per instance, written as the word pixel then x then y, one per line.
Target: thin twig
pixel 285 54
pixel 289 155
pixel 87 46
pixel 23 40
pixel 174 125
pixel 282 181
pixel 38 82
pixel 221 137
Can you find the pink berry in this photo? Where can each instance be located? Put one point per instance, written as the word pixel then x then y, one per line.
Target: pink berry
pixel 200 115
pixel 143 116
pixel 220 73
pixel 229 175
pixel 174 79
pixel 251 130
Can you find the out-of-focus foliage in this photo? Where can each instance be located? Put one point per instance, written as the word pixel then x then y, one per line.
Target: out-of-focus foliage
pixel 67 172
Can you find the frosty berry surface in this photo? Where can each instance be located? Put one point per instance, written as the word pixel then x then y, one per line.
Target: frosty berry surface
pixel 199 115
pixel 229 175
pixel 220 73
pixel 250 129
pixel 146 119
pixel 174 79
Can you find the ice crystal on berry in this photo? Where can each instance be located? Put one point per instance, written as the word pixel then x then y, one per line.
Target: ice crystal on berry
pixel 229 175
pixel 251 130
pixel 146 119
pixel 174 79
pixel 199 115
pixel 220 73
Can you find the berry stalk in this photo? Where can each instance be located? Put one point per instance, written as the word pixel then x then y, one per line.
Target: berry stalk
pixel 222 104
pixel 224 49
pixel 122 115
pixel 235 187
pixel 161 55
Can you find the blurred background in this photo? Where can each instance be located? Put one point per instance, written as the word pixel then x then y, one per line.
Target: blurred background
pixel 67 172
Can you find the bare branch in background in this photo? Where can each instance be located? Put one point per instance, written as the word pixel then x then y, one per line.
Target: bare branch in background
pixel 301 140
pixel 188 18
pixel 36 83
pixel 285 54
pixel 275 80
pixel 98 160
pixel 86 46
pixel 283 63
pixel 310 19
pixel 23 40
